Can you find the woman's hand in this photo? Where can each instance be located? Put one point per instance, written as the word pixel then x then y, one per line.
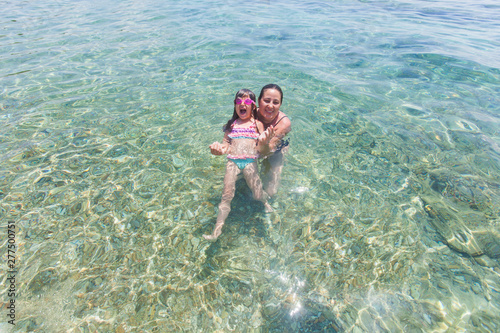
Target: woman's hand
pixel 266 136
pixel 218 148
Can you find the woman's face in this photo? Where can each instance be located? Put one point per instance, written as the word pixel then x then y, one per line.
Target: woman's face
pixel 269 105
pixel 244 108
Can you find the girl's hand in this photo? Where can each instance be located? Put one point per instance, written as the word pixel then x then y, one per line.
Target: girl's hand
pixel 217 148
pixel 267 135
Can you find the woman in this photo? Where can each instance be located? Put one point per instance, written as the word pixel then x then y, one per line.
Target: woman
pixel 270 100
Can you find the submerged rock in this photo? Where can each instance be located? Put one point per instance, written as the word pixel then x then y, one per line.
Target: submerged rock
pixel 458 234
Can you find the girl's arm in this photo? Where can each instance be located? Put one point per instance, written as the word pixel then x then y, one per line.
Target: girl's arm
pixel 218 148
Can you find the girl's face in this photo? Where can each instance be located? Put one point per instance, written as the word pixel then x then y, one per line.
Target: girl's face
pixel 269 105
pixel 243 109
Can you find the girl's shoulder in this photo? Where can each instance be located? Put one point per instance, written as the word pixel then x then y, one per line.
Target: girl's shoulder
pixel 260 125
pixel 258 122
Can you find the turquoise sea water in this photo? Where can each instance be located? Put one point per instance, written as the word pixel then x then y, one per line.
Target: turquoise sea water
pixel 387 218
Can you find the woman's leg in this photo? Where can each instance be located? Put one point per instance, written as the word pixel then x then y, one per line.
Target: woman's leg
pixel 251 174
pixel 230 177
pixel 273 172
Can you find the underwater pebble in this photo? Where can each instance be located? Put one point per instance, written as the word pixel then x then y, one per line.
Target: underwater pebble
pixel 428 318
pixel 357 329
pixel 309 204
pixel 486 261
pixel 177 161
pixel 195 242
pixel 256 319
pixel 476 289
pixel 415 291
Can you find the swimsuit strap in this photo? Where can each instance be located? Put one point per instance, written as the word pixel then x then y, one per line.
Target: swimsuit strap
pixel 266 126
pixel 250 132
pixel 280 120
pixel 255 125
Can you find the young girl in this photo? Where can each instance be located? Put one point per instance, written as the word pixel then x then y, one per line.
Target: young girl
pixel 243 136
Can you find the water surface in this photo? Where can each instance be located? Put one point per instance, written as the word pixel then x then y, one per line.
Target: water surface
pixel 387 218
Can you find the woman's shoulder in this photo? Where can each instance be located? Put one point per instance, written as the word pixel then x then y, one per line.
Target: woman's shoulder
pixel 282 117
pixel 283 121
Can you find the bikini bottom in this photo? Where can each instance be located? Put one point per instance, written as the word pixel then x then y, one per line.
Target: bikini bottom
pixel 242 162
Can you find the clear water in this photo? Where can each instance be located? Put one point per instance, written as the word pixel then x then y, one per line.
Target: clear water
pixel 388 214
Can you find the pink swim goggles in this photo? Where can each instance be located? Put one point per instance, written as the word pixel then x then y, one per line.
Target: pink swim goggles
pixel 247 101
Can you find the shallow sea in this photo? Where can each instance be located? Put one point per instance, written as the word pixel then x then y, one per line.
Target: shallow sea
pixel 387 218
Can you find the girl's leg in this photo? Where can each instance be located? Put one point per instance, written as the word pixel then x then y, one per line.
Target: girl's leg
pixel 251 174
pixel 232 172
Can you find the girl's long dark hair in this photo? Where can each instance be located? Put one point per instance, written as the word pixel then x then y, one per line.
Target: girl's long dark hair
pixel 241 93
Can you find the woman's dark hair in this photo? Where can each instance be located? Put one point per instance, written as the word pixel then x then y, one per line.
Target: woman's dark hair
pixel 241 93
pixel 271 86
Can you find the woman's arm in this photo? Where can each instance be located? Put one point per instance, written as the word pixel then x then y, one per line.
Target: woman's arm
pixel 280 131
pixel 283 128
pixel 264 139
